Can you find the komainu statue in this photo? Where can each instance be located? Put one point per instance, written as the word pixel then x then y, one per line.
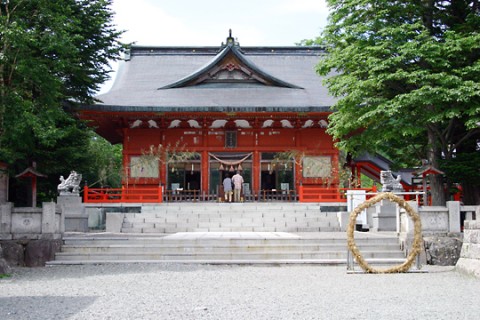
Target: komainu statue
pixel 71 185
pixel 389 183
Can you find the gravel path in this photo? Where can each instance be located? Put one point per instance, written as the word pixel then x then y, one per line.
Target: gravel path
pixel 173 291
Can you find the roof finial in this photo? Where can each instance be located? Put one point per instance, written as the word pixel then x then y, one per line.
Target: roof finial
pixel 230 40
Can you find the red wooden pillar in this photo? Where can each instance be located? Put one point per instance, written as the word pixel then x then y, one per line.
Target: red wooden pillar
pixel 125 159
pixel 163 166
pixel 256 171
pixel 204 171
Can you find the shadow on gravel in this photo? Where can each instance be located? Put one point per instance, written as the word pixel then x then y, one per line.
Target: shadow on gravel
pixel 42 307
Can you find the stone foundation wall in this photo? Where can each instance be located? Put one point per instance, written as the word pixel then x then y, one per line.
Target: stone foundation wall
pixel 29 237
pixel 28 253
pixel 469 261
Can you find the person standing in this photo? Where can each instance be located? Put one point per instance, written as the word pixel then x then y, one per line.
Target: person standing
pixel 227 188
pixel 237 186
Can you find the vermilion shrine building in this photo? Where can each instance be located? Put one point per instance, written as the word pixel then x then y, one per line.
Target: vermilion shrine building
pixel 236 107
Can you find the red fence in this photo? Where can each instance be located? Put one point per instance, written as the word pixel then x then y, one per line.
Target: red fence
pixel 118 195
pixel 306 193
pixel 320 194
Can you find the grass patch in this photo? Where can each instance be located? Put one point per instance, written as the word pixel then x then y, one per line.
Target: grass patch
pixel 2 275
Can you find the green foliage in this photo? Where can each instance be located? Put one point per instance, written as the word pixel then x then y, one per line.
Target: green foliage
pixel 52 53
pixel 463 168
pixel 403 71
pixel 400 67
pixel 105 163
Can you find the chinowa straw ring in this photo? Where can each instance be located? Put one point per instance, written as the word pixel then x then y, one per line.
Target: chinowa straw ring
pixel 417 240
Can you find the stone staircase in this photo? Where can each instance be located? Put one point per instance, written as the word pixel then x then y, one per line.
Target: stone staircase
pixel 237 233
pixel 230 217
pixel 226 248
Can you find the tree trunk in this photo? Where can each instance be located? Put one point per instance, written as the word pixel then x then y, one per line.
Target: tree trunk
pixel 437 188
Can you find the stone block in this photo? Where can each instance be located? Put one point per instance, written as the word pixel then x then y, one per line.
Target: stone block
pixel 13 253
pixel 49 225
pixel 6 218
pixel 453 216
pixel 471 251
pixel 384 221
pixel 469 266
pixel 434 220
pixel 38 252
pixel 76 223
pixel 27 221
pixel 96 218
pixel 114 222
pixel 442 251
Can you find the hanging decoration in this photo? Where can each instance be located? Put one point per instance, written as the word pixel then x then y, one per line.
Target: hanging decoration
pixel 232 163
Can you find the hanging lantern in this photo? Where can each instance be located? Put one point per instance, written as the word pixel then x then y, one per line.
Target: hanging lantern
pixel 221 168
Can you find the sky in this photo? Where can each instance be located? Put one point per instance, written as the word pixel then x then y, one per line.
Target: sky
pixel 207 22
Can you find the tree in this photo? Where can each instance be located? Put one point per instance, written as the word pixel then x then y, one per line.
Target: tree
pixel 406 74
pixel 52 54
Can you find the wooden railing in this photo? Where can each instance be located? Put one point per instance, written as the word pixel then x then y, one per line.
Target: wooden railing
pixel 308 193
pixel 118 195
pixel 154 195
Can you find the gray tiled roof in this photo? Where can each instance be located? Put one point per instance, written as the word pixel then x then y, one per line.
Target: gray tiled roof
pixel 137 84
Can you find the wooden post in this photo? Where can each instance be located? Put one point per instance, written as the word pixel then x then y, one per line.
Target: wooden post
pixel 85 194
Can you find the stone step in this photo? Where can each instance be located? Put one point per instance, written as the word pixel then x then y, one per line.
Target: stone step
pixel 134 256
pixel 230 215
pixel 215 239
pixel 321 262
pixel 386 251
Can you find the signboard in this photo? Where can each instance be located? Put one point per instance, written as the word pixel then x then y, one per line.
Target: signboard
pixel 317 167
pixel 142 167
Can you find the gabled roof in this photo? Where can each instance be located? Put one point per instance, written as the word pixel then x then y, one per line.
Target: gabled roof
pixel 228 78
pixel 232 67
pixel 30 172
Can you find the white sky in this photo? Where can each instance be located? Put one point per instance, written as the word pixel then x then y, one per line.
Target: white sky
pixel 206 22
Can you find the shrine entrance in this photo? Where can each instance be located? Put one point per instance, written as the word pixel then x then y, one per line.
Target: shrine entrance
pixel 226 164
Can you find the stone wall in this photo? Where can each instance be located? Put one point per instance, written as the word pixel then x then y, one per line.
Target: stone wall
pixel 469 261
pixel 29 236
pixel 28 253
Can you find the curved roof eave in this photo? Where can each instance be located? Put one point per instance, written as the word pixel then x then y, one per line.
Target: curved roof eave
pixel 116 108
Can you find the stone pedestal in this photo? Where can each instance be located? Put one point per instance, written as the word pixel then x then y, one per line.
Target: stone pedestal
pixel 354 199
pixel 385 216
pixel 76 219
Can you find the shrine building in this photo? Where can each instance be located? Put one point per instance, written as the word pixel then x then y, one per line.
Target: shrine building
pixel 260 110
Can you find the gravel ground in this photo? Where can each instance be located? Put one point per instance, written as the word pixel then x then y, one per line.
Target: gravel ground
pixel 175 291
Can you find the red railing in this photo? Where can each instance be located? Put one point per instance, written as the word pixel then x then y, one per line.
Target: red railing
pixel 118 195
pixel 308 193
